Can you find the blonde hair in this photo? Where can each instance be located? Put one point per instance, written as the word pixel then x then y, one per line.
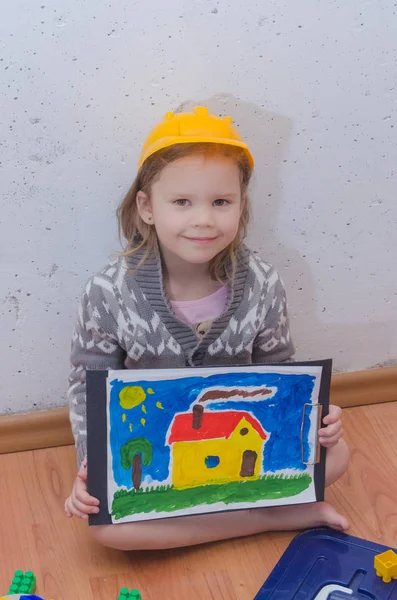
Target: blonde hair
pixel 139 235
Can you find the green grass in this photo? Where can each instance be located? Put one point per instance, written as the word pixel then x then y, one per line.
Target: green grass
pixel 166 498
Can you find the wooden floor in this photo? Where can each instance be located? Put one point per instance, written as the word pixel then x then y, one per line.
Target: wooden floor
pixel 35 534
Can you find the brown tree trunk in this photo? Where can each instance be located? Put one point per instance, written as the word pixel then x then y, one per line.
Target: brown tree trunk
pixel 137 471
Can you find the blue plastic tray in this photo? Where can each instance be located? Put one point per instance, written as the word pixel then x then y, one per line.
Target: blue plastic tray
pixel 322 557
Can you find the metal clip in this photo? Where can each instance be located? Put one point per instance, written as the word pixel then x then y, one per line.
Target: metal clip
pixel 317 441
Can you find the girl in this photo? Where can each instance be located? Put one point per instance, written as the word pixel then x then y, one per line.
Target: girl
pixel 187 291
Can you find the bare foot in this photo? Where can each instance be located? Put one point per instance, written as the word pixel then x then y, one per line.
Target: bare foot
pixel 330 517
pixel 304 516
pixel 323 513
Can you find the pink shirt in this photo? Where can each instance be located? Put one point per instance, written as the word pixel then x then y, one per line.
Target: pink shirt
pixel 194 312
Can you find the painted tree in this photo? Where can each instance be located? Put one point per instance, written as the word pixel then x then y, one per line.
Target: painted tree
pixel 134 454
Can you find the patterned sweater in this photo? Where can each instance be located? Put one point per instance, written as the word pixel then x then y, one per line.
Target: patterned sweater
pixel 125 321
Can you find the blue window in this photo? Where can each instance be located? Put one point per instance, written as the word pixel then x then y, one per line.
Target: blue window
pixel 212 461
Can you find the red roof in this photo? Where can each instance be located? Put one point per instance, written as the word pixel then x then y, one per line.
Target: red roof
pixel 215 425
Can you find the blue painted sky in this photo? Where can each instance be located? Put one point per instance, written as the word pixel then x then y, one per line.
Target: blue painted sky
pixel 280 415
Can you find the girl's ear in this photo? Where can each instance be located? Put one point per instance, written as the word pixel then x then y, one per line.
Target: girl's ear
pixel 144 207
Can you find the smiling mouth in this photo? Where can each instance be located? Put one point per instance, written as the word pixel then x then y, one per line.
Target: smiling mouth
pixel 201 240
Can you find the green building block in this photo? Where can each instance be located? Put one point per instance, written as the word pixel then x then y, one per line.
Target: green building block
pixel 22 583
pixel 126 594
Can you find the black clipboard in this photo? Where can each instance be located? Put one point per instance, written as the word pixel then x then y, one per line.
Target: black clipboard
pixel 97 433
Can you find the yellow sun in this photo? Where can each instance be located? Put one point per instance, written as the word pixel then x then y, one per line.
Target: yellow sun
pixel 131 396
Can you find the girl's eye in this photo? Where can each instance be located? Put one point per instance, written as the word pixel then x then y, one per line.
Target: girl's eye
pixel 181 202
pixel 220 202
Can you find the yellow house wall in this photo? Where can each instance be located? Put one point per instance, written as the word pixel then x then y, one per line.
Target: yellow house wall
pixel 189 469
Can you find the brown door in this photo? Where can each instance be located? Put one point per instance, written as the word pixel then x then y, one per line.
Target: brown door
pixel 248 463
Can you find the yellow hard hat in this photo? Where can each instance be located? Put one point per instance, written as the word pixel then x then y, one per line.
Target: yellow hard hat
pixel 192 127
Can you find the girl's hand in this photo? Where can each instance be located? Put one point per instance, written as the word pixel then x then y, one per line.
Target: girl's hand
pixel 330 435
pixel 80 503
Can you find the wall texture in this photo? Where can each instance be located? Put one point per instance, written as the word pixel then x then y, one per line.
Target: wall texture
pixel 313 89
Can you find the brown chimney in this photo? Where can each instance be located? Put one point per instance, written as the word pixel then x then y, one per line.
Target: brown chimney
pixel 198 410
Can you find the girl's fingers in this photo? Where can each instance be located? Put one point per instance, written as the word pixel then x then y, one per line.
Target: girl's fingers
pixel 82 474
pixel 330 430
pixel 335 413
pixel 80 503
pixel 80 492
pixel 329 442
pixel 72 511
pixel 83 506
pixel 77 513
pixel 67 510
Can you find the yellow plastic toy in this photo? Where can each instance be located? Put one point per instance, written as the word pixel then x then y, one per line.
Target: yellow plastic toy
pixel 192 127
pixel 385 565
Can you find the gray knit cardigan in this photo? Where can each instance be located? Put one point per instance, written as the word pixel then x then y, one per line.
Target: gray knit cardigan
pixel 125 322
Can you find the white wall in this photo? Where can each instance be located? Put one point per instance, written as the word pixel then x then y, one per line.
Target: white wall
pixel 313 88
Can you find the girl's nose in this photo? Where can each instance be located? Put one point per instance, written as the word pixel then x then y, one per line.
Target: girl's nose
pixel 203 217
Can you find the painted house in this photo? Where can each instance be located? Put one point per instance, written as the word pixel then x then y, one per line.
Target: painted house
pixel 215 447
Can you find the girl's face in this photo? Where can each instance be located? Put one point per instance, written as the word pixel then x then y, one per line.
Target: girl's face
pixel 195 206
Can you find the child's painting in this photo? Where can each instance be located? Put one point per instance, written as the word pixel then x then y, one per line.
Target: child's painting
pixel 191 441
